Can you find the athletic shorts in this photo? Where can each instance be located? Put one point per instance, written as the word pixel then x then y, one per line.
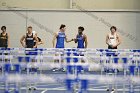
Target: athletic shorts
pixel 112 53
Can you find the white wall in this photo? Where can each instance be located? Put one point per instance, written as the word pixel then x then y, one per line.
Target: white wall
pixel 15 26
pixel 108 4
pixel 138 31
pixel 65 4
pixel 95 28
pixel 36 4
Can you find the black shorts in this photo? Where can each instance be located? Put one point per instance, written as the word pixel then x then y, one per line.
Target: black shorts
pixel 109 47
pixel 111 53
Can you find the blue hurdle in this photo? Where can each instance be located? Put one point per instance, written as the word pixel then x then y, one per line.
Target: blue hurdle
pixel 72 55
pixel 7 71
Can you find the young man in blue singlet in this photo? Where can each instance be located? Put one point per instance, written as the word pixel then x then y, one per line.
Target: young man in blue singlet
pixel 81 40
pixel 60 38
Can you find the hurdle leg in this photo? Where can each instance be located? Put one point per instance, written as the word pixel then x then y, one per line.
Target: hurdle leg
pixel 6 87
pixel 139 74
pixel 3 62
pixel 17 89
pixel 27 90
pixel 124 75
pixel 115 83
pixel 27 83
pixel 107 74
pixel 57 60
pixel 33 71
pixel 41 61
pixel 131 87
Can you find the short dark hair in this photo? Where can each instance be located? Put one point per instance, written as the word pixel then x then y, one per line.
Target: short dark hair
pixel 62 26
pixel 3 27
pixel 81 28
pixel 30 27
pixel 113 27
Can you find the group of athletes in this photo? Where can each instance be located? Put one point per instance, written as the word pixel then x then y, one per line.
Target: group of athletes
pixel 31 40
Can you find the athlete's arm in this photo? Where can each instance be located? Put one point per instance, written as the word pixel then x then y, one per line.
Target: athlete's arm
pixel 22 40
pixel 8 41
pixel 54 38
pixel 75 39
pixel 39 41
pixel 36 39
pixel 66 39
pixel 86 41
pixel 107 38
pixel 119 41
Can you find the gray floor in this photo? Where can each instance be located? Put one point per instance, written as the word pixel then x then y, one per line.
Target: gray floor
pixel 60 86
